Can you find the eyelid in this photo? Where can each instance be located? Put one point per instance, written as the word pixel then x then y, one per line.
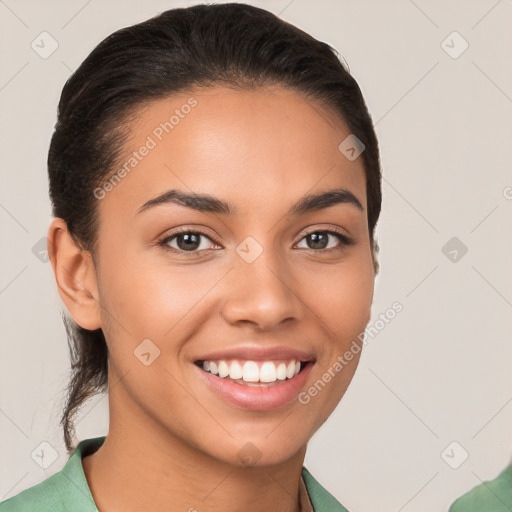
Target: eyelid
pixel 327 229
pixel 165 239
pixel 343 238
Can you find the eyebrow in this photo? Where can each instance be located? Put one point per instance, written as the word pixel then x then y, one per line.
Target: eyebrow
pixel 209 204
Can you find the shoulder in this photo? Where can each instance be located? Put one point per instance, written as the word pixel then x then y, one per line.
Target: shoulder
pixel 491 496
pixel 64 491
pixel 321 499
pixel 49 495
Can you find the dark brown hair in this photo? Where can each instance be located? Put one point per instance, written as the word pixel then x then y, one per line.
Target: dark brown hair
pixel 201 46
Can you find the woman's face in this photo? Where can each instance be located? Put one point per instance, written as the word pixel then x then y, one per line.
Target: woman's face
pixel 255 284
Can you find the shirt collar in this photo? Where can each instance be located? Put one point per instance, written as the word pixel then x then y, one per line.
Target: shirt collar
pixel 304 501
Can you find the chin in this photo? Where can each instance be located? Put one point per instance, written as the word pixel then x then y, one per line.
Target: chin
pixel 263 452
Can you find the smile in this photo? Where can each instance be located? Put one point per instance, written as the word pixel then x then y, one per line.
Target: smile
pixel 256 385
pixel 252 372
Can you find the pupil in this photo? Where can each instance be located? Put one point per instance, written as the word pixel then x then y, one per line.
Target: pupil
pixel 319 240
pixel 191 241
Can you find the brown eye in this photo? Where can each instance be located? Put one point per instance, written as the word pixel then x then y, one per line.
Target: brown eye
pixel 320 240
pixel 187 241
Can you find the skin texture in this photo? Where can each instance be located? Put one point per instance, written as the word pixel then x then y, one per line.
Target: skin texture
pixel 173 444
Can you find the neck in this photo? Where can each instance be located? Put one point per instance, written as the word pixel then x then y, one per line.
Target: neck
pixel 134 471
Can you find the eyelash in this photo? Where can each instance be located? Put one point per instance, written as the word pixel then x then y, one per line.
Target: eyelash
pixel 345 241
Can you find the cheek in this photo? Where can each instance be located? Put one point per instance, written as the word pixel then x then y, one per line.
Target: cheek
pixel 149 295
pixel 151 300
pixel 341 297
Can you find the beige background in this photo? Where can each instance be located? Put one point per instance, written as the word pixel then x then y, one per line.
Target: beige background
pixel 440 371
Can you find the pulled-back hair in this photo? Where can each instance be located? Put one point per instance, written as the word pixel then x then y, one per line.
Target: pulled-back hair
pixel 235 45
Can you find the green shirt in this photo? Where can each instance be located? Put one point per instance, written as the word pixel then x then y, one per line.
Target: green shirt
pixel 493 496
pixel 68 490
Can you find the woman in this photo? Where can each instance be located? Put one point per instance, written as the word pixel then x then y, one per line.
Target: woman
pixel 215 182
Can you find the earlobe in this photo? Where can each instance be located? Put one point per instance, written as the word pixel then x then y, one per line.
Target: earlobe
pixel 75 276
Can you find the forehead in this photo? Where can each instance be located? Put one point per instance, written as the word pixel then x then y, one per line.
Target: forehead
pixel 251 147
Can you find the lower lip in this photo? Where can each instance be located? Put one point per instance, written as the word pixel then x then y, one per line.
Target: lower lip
pixel 259 398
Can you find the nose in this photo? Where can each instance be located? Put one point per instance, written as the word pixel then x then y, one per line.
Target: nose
pixel 261 293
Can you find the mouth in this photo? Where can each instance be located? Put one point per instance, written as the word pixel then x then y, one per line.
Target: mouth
pixel 256 385
pixel 254 373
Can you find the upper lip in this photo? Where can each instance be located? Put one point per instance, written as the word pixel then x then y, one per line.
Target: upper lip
pixel 258 353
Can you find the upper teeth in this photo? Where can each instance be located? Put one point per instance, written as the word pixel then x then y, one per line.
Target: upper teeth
pixel 252 371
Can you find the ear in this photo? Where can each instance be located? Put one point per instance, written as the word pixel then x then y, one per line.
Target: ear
pixel 75 276
pixel 375 257
pixel 375 261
